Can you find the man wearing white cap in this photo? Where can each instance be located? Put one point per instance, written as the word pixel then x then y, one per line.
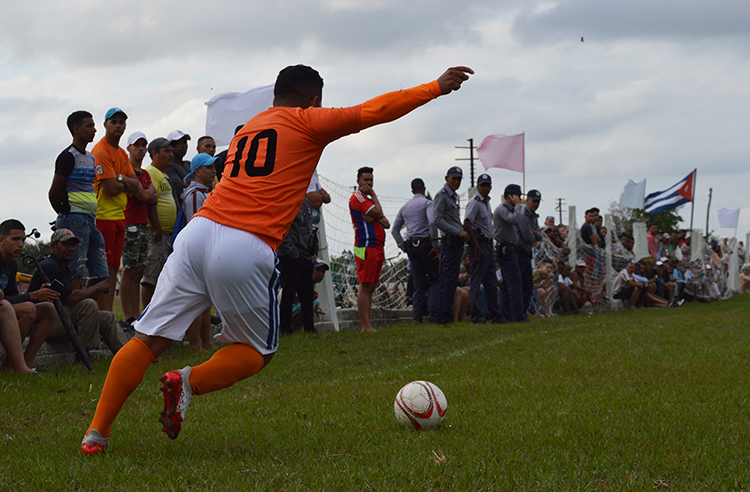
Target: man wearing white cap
pixel 179 168
pixel 135 247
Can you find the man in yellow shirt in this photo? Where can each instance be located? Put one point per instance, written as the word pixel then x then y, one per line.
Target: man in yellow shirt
pixel 161 223
pixel 115 178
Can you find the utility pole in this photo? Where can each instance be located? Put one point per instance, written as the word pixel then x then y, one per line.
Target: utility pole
pixel 559 208
pixel 470 158
pixel 708 210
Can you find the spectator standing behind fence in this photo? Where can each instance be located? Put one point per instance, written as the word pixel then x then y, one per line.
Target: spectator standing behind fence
pixel 317 197
pixel 202 174
pixel 296 254
pixel 653 244
pixel 447 219
pixel 34 308
pixel 530 234
pixel 179 168
pixel 508 219
pixel 421 247
pixel 73 197
pixel 369 249
pixel 162 221
pixel 478 225
pixel 135 246
pixel 115 178
pixel 79 304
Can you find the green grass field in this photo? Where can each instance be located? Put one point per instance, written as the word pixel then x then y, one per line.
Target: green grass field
pixel 646 400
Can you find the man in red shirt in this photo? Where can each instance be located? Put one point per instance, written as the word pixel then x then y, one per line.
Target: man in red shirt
pixel 135 246
pixel 369 247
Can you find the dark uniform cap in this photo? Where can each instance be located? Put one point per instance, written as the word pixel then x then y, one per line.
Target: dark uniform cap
pixel 484 178
pixel 417 184
pixel 513 189
pixel 534 195
pixel 456 172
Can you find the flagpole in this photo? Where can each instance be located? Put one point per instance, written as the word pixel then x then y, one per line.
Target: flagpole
pixel 692 202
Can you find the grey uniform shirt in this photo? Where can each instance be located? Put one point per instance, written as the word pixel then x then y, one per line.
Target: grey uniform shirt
pixel 416 214
pixel 529 229
pixel 506 219
pixel 447 212
pixel 479 212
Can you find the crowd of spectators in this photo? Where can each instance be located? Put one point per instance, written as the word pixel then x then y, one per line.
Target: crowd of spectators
pixel 115 226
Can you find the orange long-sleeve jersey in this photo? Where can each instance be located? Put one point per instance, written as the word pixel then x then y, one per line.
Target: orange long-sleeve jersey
pixel 272 158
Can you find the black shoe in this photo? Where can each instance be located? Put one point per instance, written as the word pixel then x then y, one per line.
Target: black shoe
pixel 126 327
pixel 215 320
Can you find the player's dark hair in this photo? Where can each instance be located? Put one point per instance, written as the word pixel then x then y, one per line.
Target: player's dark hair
pixel 76 119
pixel 238 128
pixel 297 84
pixel 204 137
pixel 363 170
pixel 9 225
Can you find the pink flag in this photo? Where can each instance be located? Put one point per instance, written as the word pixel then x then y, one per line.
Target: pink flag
pixel 503 151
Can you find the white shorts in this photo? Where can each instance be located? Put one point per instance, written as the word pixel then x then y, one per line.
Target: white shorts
pixel 229 268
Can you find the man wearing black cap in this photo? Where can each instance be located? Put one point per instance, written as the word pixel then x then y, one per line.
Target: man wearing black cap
pixel 88 320
pixel 526 251
pixel 161 218
pixel 422 249
pixel 508 221
pixel 447 218
pixel 478 224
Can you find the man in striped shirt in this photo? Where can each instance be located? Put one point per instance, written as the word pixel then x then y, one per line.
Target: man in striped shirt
pixel 369 247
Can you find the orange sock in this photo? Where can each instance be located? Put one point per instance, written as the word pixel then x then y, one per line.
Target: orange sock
pixel 227 366
pixel 125 374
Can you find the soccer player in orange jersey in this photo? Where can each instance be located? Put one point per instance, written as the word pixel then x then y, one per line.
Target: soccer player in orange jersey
pixel 226 256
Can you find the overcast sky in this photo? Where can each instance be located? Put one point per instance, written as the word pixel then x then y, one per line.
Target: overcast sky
pixel 655 90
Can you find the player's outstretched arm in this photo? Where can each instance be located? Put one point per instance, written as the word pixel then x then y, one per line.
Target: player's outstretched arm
pixel 394 105
pixel 452 79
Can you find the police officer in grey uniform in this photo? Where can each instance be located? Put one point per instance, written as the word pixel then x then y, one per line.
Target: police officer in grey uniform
pixel 447 218
pixel 422 249
pixel 526 250
pixel 508 223
pixel 478 224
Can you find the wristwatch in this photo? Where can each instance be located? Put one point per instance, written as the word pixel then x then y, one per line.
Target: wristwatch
pixel 120 177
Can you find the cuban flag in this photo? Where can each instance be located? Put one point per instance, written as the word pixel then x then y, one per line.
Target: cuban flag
pixel 675 196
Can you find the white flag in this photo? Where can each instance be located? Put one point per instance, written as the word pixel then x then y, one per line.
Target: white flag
pixel 228 110
pixel 634 194
pixel 729 218
pixel 503 151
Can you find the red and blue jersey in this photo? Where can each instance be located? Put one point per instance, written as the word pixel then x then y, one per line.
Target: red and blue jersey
pixel 368 234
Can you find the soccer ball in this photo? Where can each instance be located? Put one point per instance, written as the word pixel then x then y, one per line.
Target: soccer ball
pixel 420 405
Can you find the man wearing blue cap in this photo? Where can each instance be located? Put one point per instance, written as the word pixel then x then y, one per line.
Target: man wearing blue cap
pixel 508 222
pixel 422 249
pixel 447 218
pixel 115 178
pixel 478 224
pixel 526 250
pixel 202 174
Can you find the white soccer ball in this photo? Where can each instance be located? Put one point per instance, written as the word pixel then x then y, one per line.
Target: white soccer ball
pixel 420 405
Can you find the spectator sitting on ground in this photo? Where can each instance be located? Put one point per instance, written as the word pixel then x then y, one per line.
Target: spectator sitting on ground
pixel 34 308
pixel 745 278
pixel 10 339
pixel 89 321
pixel 578 278
pixel 567 300
pixel 627 289
pixel 650 285
pixel 462 298
pixel 201 176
